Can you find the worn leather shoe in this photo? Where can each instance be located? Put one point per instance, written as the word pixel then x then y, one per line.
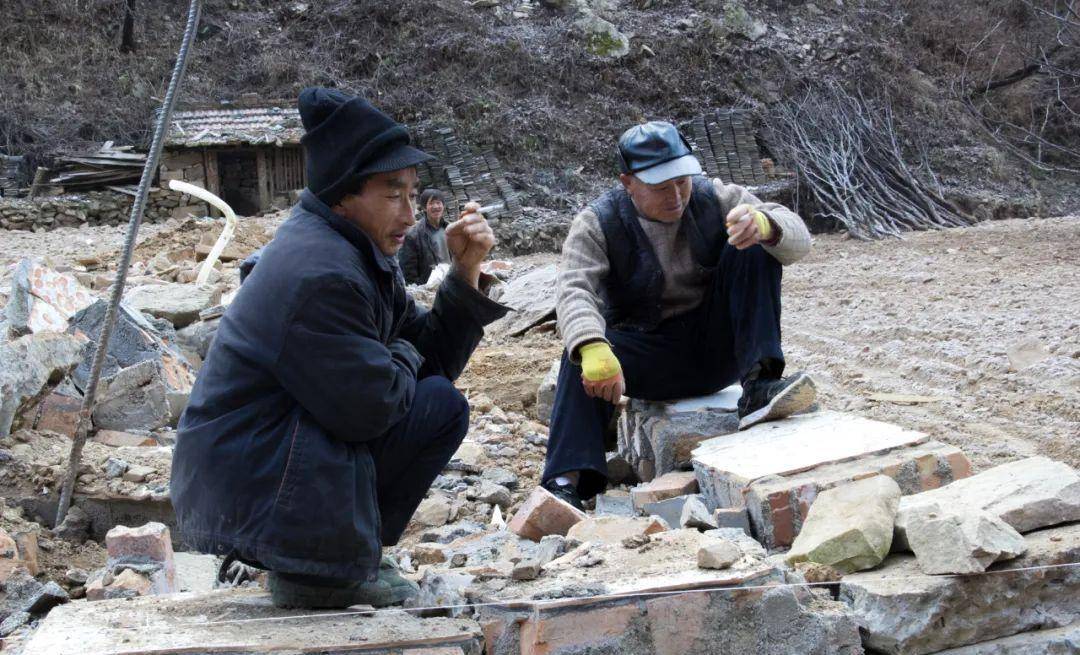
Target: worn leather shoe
pixel 769 400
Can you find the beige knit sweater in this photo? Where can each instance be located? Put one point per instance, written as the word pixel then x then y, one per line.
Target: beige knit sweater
pixel 585 264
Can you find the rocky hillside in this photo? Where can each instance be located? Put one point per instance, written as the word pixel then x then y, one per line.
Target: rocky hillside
pixel 549 84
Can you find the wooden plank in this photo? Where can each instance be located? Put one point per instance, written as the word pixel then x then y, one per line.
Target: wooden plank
pixel 213 180
pixel 265 183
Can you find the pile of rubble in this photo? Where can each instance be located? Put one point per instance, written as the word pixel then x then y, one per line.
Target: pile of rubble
pixel 823 533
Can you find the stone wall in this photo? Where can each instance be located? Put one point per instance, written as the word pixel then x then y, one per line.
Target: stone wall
pixel 93 208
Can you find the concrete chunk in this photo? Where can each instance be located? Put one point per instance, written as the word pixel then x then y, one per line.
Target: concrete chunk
pixel 695 514
pixel 545 394
pixel 28 364
pixel 718 554
pixel 901 611
pixel 1027 494
pixel 945 541
pixel 664 487
pixel 670 510
pixel 1060 641
pixel 179 304
pixel 543 514
pixel 849 527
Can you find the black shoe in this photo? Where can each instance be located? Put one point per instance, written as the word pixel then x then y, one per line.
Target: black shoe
pixel 565 492
pixel 769 400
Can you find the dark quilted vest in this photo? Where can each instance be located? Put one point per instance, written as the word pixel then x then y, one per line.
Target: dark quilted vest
pixel 633 288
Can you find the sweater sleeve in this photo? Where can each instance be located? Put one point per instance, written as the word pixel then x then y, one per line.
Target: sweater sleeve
pixel 583 268
pixel 794 243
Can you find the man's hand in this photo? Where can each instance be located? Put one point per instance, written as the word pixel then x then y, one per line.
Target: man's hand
pixel 469 239
pixel 601 372
pixel 748 227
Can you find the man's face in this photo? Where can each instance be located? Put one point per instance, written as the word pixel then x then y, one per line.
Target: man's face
pixel 435 210
pixel 664 202
pixel 384 208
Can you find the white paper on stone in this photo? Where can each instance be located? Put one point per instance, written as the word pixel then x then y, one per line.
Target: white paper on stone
pixel 727 399
pixel 800 443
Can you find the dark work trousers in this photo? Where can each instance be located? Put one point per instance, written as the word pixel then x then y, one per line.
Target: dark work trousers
pixel 736 327
pixel 407 460
pixel 413 453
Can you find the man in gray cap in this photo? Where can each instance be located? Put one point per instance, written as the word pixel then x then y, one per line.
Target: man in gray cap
pixel 326 405
pixel 669 287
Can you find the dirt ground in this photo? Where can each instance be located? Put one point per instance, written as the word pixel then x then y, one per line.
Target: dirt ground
pixel 933 315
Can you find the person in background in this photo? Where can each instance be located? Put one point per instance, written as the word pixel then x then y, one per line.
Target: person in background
pixel 425 244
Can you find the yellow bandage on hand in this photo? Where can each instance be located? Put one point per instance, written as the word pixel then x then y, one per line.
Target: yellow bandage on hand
pixel 764 225
pixel 598 362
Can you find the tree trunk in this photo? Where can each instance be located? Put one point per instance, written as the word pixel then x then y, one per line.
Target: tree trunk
pixel 127 39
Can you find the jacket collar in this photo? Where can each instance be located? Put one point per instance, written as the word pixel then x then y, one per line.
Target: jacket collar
pixel 354 235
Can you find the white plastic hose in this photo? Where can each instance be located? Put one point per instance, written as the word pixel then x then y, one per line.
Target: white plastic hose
pixel 226 234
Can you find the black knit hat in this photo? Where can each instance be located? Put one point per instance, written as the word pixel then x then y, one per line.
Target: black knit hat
pixel 347 139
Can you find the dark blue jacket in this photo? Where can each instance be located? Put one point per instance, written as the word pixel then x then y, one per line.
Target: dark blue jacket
pixel 309 364
pixel 633 290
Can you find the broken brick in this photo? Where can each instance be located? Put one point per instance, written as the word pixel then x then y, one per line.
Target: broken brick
pixel 147 544
pixel 118 439
pixel 664 487
pixel 613 529
pixel 543 514
pixel 58 413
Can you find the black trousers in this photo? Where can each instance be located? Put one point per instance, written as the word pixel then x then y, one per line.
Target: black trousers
pixel 736 327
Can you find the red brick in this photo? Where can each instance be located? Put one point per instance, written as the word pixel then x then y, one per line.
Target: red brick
pixel 543 514
pixel 59 413
pixel 148 542
pixel 118 439
pixel 670 485
pixel 575 629
pixel 676 622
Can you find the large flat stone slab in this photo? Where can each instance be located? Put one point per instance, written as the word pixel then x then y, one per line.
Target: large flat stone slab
pixel 1027 494
pixel 1060 641
pixel 901 611
pixel 795 444
pixel 659 437
pixel 778 505
pixel 226 621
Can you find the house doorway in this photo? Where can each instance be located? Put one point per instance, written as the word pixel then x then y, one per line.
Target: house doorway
pixel 239 176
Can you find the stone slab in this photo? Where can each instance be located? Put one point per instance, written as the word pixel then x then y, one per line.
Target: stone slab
pixel 656 438
pixel 778 505
pixel 669 485
pixel 797 444
pixel 1059 641
pixel 670 510
pixel 1027 494
pixel 849 527
pixel 200 623
pixel 901 611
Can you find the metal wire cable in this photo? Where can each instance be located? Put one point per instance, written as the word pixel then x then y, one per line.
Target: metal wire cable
pixel 137 209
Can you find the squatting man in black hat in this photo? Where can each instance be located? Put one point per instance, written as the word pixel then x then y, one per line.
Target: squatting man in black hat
pixel 669 287
pixel 326 406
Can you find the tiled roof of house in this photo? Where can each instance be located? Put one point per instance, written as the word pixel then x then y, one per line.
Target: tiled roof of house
pixel 241 126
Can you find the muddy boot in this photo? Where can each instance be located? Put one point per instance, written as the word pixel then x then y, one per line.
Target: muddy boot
pixel 290 591
pixel 769 400
pixel 391 575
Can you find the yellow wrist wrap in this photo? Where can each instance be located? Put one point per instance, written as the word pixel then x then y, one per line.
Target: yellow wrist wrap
pixel 598 362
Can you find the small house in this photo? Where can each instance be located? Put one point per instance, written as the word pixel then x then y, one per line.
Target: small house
pixel 250 156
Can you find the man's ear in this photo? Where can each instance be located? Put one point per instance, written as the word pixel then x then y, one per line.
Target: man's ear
pixel 627 180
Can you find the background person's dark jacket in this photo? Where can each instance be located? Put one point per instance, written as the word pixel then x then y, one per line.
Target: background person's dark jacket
pixel 310 362
pixel 421 253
